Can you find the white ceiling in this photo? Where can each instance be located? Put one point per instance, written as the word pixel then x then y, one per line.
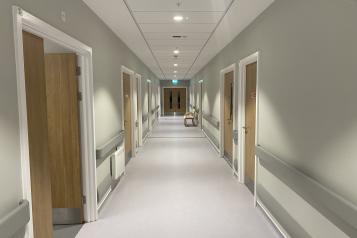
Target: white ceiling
pixel 147 28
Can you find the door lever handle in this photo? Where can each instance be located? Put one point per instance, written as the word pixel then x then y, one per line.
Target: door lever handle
pixel 245 129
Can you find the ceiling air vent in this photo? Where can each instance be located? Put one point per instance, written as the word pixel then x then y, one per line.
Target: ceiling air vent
pixel 178 36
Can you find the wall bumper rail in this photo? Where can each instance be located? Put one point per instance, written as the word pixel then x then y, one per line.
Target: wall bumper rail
pixel 103 152
pixel 338 210
pixel 213 121
pixel 16 220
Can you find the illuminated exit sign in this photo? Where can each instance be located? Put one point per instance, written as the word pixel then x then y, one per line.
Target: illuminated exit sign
pixel 174 81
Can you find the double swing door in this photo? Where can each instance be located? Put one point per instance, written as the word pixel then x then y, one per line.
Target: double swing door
pixel 174 101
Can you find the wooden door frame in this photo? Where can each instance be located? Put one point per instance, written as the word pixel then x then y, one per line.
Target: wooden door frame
pixel 223 72
pixel 163 96
pixel 140 109
pixel 200 85
pixel 24 21
pixel 149 85
pixel 241 112
pixel 131 73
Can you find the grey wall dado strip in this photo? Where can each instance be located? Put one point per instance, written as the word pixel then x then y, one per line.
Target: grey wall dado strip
pixel 335 208
pixel 16 220
pixel 213 121
pixel 108 148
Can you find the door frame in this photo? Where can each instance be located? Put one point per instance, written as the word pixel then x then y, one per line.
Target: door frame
pixel 200 93
pixel 140 109
pixel 131 73
pixel 24 21
pixel 149 85
pixel 241 112
pixel 163 97
pixel 231 68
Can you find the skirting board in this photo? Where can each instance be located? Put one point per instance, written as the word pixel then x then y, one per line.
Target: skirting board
pixel 210 140
pixel 100 204
pixel 277 225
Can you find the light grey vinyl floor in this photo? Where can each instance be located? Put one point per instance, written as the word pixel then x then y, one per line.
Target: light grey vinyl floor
pixel 178 187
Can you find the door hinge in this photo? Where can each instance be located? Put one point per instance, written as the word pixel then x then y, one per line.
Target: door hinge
pixel 80 96
pixel 84 200
pixel 78 71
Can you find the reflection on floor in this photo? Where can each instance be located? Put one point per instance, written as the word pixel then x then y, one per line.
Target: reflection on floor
pixel 178 187
pixel 66 231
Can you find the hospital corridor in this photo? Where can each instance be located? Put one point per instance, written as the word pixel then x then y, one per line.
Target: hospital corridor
pixel 178 119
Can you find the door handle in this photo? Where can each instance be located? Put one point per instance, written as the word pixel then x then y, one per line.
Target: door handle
pixel 245 129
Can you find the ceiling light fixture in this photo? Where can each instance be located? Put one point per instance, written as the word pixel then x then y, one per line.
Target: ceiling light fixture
pixel 175 71
pixel 178 18
pixel 175 65
pixel 176 52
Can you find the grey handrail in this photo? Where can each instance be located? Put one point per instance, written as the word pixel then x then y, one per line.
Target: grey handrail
pixel 15 220
pixel 103 152
pixel 155 109
pixel 213 121
pixel 335 208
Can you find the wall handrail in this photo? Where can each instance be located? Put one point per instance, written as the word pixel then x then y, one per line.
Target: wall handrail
pixel 212 120
pixel 15 220
pixel 334 207
pixel 145 118
pixel 103 152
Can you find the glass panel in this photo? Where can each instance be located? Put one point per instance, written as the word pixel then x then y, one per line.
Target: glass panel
pixel 231 102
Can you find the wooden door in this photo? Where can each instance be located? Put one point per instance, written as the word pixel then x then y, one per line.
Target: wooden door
pixel 64 137
pixel 180 100
pixel 169 106
pixel 38 135
pixel 250 118
pixel 201 105
pixel 127 116
pixel 228 115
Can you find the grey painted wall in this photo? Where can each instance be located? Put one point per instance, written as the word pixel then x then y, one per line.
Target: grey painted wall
pixel 307 86
pixel 109 53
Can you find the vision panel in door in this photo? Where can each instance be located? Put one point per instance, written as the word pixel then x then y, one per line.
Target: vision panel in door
pixel 250 114
pixel 228 116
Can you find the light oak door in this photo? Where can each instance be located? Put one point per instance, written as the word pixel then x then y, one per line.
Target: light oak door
pixel 169 106
pixel 174 101
pixel 64 137
pixel 228 116
pixel 38 135
pixel 250 118
pixel 127 116
pixel 180 100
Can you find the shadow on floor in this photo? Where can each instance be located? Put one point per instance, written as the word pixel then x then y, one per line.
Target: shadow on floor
pixel 66 231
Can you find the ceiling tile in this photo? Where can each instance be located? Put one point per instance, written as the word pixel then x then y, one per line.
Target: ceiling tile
pixel 177 43
pixel 188 17
pixel 169 35
pixel 171 5
pixel 177 28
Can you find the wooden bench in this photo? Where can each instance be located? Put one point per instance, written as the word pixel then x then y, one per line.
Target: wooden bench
pixel 189 116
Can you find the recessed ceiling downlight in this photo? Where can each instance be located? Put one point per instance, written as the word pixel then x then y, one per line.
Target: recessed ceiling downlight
pixel 175 65
pixel 176 52
pixel 178 18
